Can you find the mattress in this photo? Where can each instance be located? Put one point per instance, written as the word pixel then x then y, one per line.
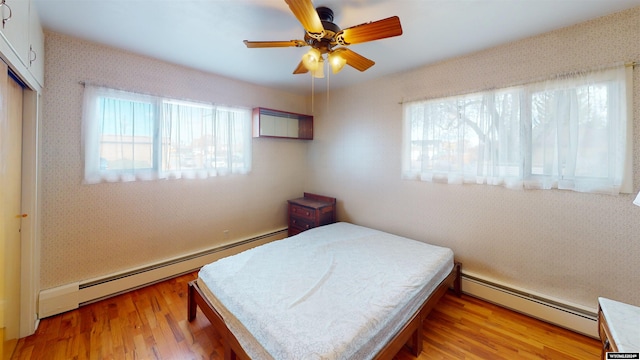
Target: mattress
pixel 339 291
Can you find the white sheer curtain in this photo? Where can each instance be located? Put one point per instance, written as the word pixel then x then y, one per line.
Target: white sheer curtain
pixel 570 133
pixel 129 136
pixel 579 128
pixel 118 135
pixel 467 139
pixel 202 141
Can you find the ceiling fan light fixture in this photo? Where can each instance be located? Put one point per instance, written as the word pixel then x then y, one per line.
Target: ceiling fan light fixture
pixel 322 35
pixel 337 62
pixel 318 73
pixel 311 60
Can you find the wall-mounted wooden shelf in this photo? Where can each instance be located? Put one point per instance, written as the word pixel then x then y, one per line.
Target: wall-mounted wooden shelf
pixel 282 124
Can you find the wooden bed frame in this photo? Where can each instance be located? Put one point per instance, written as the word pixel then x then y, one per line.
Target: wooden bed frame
pixel 410 335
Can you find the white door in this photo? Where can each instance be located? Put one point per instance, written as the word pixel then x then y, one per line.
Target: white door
pixel 10 214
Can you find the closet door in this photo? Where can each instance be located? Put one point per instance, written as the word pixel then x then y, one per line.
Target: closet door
pixel 10 188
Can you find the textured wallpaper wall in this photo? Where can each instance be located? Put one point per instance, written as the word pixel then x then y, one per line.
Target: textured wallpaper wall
pixel 565 245
pixel 94 230
pixel 569 246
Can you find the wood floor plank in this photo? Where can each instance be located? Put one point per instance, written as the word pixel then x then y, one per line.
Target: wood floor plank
pixel 468 328
pixel 151 323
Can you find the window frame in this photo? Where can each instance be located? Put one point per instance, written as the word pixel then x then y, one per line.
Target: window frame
pixel 617 85
pixel 92 137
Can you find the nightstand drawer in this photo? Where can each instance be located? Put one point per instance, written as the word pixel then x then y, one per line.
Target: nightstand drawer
pixel 603 330
pixel 301 223
pixel 618 326
pixel 302 212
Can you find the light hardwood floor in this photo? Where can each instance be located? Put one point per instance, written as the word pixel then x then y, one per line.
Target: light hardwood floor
pixel 150 323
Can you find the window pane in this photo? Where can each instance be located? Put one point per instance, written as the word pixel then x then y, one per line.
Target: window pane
pixel 593 136
pixel 126 134
pixel 543 132
pixel 434 136
pixel 505 134
pixel 186 136
pixel 477 126
pixel 199 137
pixel 570 132
pixel 129 136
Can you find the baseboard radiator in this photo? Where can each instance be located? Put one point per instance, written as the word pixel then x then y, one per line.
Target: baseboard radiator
pixel 569 316
pixel 71 296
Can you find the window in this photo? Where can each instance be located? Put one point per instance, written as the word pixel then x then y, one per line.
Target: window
pixel 569 133
pixel 129 136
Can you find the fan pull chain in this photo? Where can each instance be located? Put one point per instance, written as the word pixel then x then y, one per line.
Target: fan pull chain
pixel 328 72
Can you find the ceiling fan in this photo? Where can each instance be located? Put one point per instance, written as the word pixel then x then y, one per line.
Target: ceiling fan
pixel 325 37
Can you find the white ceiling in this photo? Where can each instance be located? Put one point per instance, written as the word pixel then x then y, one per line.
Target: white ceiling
pixel 208 34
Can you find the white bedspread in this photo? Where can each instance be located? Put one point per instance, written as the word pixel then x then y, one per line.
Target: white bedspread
pixel 339 291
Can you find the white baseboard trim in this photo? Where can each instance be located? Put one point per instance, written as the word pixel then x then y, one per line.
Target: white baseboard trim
pixel 569 316
pixel 58 300
pixel 71 296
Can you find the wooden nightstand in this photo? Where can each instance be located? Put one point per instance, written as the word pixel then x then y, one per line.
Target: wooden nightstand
pixel 310 211
pixel 618 326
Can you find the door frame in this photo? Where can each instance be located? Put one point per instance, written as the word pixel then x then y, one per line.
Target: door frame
pixel 30 226
pixel 30 229
pixel 30 233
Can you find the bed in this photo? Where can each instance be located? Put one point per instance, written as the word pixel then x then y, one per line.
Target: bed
pixel 339 291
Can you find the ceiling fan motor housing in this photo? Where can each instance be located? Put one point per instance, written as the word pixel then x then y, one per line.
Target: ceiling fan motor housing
pixel 325 13
pixel 330 30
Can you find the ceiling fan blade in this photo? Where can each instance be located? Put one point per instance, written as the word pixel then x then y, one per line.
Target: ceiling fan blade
pixel 306 13
pixel 271 44
pixel 370 31
pixel 354 59
pixel 301 69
